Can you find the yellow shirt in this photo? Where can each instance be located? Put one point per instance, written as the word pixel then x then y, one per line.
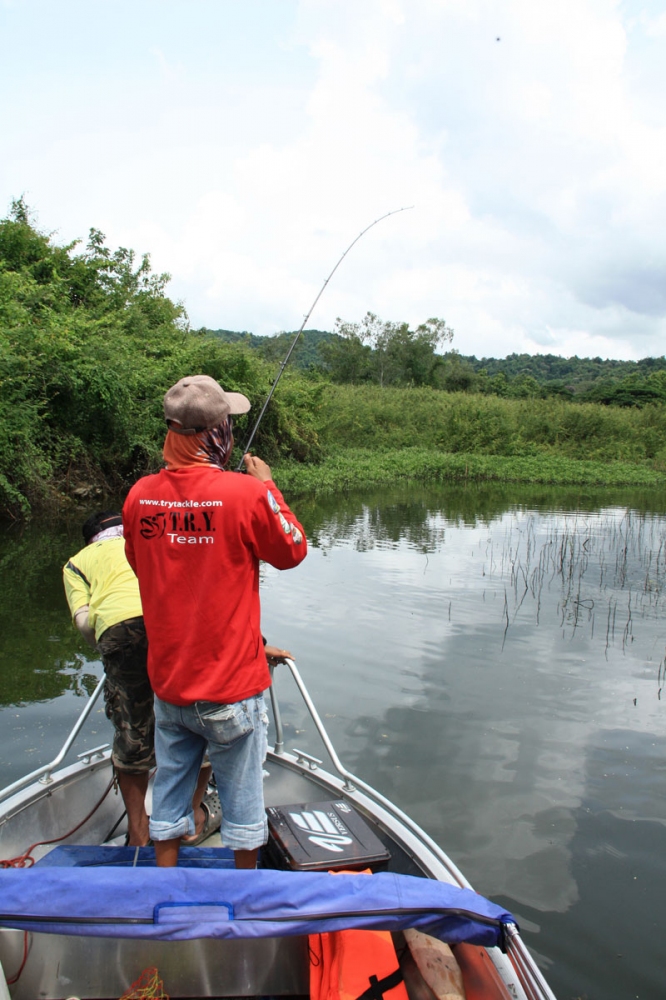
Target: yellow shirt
pixel 99 575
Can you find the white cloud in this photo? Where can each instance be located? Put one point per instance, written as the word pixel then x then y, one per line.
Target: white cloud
pixel 246 163
pixel 655 27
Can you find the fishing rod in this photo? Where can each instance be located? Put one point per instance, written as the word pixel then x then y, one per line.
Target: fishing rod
pixel 284 364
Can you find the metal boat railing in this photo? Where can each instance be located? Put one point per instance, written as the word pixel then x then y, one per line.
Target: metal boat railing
pixel 351 781
pixel 535 986
pixel 43 774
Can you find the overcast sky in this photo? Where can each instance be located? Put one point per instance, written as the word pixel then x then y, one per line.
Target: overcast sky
pixel 245 143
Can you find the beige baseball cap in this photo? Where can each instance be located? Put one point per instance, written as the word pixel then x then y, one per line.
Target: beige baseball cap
pixel 197 402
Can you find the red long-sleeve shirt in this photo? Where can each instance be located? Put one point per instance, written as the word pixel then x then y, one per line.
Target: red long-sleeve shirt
pixel 194 537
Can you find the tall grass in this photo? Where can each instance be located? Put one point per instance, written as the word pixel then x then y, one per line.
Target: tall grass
pixel 372 417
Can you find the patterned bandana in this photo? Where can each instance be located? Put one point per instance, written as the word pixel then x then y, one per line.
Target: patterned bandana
pixel 210 447
pixel 116 531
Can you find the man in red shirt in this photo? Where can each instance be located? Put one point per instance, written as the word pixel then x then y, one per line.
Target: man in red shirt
pixel 194 535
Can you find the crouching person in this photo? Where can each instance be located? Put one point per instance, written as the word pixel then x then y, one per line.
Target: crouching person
pixel 104 601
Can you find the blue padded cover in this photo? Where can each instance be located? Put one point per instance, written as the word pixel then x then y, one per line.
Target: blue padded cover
pixel 179 903
pixel 83 855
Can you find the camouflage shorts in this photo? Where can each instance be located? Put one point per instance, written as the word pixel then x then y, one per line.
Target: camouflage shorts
pixel 128 696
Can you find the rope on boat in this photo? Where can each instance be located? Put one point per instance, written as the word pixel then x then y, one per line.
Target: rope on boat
pixel 148 986
pixel 26 860
pixel 15 979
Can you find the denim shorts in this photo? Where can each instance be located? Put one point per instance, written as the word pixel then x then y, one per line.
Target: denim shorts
pixel 236 737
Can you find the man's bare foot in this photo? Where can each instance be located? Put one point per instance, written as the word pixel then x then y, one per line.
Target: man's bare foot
pixel 199 823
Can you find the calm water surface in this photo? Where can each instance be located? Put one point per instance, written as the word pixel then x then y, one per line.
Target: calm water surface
pixel 491 661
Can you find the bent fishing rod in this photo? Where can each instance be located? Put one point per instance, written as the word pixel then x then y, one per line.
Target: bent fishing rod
pixel 284 364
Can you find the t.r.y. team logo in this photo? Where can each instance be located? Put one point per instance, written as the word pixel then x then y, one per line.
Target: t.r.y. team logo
pixel 153 526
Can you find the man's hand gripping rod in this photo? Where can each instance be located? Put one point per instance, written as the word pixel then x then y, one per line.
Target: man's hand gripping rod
pixel 283 365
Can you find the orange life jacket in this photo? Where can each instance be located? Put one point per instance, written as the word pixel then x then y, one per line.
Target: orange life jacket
pixel 355 965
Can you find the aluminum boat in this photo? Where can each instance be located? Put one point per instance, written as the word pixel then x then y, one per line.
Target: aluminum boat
pixel 83 916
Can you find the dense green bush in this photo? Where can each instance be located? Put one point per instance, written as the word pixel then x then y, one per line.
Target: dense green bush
pixel 89 343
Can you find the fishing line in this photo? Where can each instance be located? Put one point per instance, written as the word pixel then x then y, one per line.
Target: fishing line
pixel 283 365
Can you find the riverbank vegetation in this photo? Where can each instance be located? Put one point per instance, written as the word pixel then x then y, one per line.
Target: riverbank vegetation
pixel 369 417
pixel 90 341
pixel 351 468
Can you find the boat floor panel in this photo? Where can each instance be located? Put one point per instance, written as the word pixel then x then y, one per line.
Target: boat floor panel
pixel 91 968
